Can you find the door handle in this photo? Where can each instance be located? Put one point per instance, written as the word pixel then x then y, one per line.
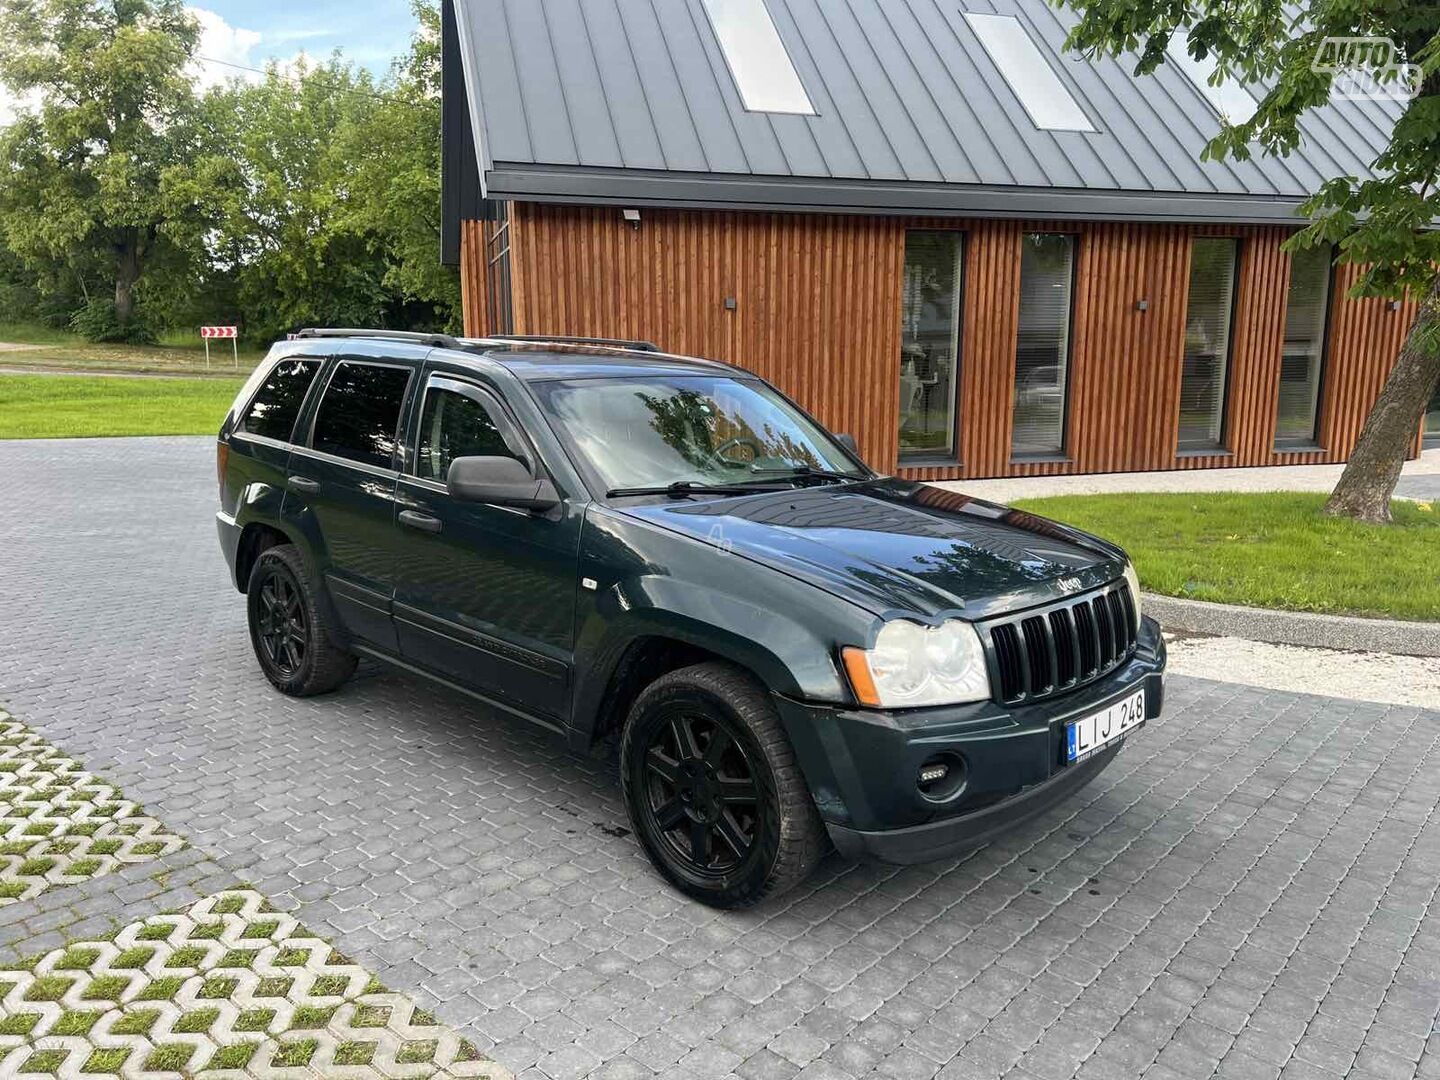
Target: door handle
pixel 304 484
pixel 423 522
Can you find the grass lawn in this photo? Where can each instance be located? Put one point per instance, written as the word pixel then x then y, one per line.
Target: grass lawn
pixel 72 406
pixel 28 346
pixel 1268 550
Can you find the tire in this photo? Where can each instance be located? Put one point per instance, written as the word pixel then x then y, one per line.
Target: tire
pixel 728 822
pixel 290 626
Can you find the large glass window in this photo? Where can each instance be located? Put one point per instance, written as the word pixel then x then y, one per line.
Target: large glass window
pixel 1042 357
pixel 277 406
pixel 1432 420
pixel 930 344
pixel 360 413
pixel 1206 365
pixel 1303 359
pixel 457 424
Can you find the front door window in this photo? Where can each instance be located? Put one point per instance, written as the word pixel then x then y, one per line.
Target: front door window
pixel 930 344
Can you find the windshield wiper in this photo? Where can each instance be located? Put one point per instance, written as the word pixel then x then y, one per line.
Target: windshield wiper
pixel 684 488
pixel 809 472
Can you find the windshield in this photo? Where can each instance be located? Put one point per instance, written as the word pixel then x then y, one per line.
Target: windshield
pixel 713 430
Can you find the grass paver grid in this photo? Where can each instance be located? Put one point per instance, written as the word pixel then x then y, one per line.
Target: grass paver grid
pixel 73 1012
pixel 61 825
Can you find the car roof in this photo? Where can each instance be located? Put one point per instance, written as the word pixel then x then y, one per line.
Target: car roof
pixel 529 359
pixel 545 361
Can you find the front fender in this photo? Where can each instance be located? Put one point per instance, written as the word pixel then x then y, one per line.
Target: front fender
pixel 652 583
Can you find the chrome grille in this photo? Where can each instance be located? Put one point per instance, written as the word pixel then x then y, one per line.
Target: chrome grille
pixel 1043 653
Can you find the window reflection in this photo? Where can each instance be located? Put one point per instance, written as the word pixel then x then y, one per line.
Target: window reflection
pixel 644 433
pixel 930 344
pixel 1206 365
pixel 1042 357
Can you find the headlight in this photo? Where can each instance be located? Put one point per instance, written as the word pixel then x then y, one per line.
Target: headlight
pixel 914 665
pixel 1133 580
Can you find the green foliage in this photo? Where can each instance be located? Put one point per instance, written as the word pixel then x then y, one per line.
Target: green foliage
pixel 1385 222
pixel 97 321
pixel 112 79
pixel 311 197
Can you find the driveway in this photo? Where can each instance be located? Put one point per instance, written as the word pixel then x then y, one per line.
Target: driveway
pixel 1246 892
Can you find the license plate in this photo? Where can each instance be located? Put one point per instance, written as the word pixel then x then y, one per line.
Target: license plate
pixel 1085 736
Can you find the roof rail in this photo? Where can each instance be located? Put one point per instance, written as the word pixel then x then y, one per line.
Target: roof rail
pixel 562 339
pixel 438 341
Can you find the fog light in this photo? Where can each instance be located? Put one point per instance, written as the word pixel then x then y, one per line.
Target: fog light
pixel 941 778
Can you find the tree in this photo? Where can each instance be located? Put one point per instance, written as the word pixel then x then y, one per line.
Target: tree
pixel 1383 223
pixel 84 171
pixel 395 189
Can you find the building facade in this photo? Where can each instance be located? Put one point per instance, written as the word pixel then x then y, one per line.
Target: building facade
pixel 1145 315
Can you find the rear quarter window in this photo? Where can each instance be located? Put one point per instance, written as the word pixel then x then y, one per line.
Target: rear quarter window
pixel 276 407
pixel 359 415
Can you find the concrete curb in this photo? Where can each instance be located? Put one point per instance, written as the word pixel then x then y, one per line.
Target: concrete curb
pixel 1295 627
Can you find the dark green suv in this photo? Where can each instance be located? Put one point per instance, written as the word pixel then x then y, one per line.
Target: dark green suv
pixel 607 541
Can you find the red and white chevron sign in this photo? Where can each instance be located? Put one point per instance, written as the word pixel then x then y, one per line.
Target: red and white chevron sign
pixel 219 331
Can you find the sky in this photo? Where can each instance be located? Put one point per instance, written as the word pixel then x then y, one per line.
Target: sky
pixel 247 33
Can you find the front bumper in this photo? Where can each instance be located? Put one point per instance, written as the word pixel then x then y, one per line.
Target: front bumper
pixel 862 764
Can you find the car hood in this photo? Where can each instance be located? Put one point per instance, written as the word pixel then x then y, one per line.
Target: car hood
pixel 896 546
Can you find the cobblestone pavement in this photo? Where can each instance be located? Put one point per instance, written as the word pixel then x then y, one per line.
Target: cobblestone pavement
pixel 1245 893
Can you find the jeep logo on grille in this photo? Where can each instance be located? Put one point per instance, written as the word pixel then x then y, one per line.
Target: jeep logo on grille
pixel 1070 584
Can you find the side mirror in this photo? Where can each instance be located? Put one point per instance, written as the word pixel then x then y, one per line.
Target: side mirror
pixel 849 443
pixel 502 481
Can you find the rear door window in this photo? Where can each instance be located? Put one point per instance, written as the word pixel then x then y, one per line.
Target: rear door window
pixel 274 410
pixel 460 421
pixel 359 415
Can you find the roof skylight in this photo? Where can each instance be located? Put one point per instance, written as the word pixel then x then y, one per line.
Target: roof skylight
pixel 763 72
pixel 1230 99
pixel 1029 75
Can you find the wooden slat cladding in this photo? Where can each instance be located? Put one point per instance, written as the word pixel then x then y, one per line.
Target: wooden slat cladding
pixel 474 280
pixel 817 311
pixel 817 299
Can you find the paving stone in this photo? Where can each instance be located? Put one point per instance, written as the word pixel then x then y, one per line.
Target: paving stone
pixel 1255 865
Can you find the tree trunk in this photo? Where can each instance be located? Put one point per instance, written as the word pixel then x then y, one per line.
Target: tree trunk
pixel 1370 476
pixel 127 273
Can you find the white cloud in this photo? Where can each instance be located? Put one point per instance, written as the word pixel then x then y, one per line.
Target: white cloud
pixel 12 103
pixel 227 51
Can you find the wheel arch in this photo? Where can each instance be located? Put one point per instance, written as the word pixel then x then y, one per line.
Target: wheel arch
pixel 256 538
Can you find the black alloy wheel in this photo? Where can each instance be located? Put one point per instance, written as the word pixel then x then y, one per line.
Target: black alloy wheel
pixel 294 636
pixel 283 630
pixel 714 793
pixel 701 797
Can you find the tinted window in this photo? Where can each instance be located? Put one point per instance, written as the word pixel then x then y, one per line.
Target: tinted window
pixel 277 406
pixel 360 413
pixel 453 426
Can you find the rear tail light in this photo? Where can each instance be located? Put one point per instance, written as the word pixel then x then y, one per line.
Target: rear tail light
pixel 222 459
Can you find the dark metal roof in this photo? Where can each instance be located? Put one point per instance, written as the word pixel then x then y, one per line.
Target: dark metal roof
pixel 631 102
